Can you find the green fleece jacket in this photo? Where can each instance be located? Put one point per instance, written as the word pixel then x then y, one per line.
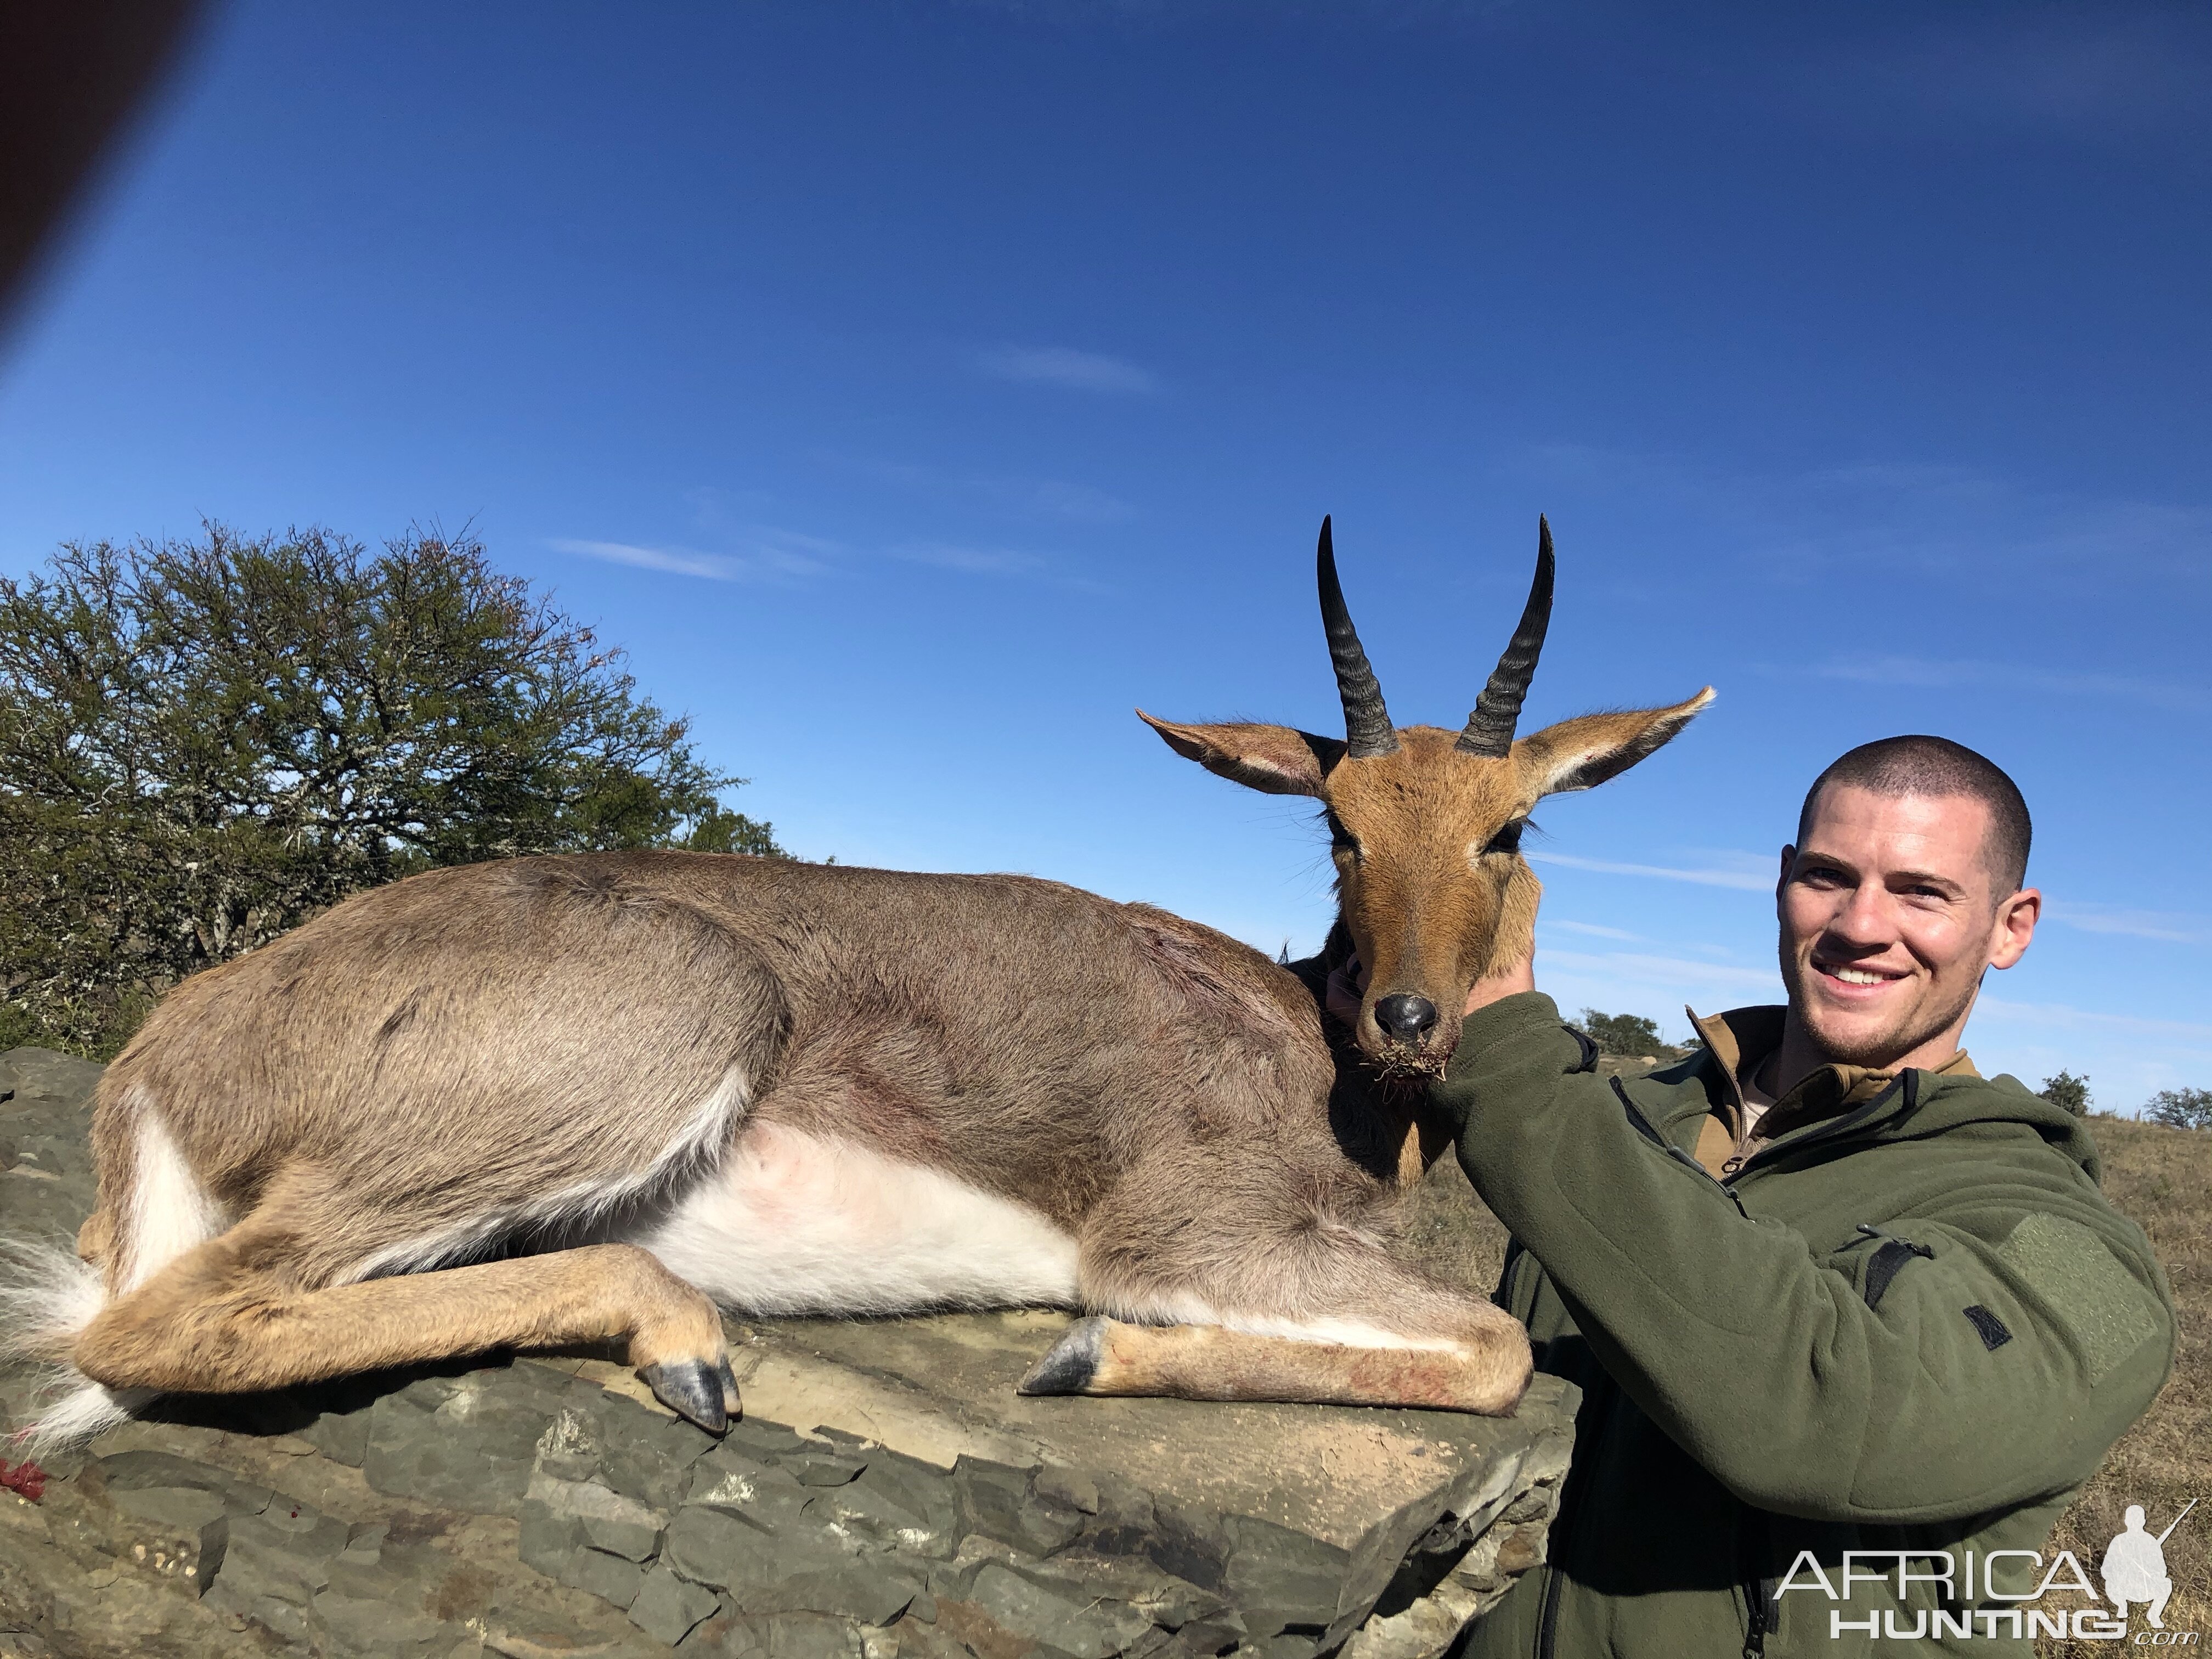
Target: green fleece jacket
pixel 1908 1322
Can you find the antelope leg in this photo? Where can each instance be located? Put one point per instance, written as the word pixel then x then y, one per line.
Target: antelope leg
pixel 1481 1373
pixel 224 1319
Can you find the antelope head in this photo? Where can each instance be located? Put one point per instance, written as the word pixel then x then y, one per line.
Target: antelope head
pixel 1425 824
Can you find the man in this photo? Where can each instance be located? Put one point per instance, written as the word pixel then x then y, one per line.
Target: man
pixel 1823 1286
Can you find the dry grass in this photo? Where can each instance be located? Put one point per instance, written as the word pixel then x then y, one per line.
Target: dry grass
pixel 1452 1235
pixel 2161 1179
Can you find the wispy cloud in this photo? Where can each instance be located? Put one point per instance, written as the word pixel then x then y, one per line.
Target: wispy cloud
pixel 2179 927
pixel 760 563
pixel 1924 517
pixel 1063 366
pixel 708 565
pixel 1589 927
pixel 1674 973
pixel 1953 672
pixel 2051 1014
pixel 783 555
pixel 1743 880
pixel 2088 71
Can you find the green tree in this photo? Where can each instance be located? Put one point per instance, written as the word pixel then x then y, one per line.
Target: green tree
pixel 2067 1091
pixel 203 744
pixel 1629 1035
pixel 2185 1109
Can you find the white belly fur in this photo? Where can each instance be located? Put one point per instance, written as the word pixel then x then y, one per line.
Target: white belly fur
pixel 799 1223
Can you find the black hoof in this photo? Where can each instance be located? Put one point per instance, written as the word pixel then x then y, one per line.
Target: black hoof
pixel 1072 1362
pixel 694 1390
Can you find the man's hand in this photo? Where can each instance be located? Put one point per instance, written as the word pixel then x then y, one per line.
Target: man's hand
pixel 1520 976
pixel 1346 986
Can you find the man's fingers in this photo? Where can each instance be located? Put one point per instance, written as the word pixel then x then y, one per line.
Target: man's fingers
pixel 1343 1001
pixel 1520 976
pixel 1343 995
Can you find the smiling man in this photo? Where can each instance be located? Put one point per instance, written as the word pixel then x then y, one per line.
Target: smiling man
pixel 1908 879
pixel 1824 1287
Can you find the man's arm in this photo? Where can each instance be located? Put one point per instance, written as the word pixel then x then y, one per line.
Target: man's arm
pixel 1767 1362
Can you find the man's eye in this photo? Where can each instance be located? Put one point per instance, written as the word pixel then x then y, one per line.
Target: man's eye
pixel 1507 840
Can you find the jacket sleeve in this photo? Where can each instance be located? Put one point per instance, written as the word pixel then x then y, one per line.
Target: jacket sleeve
pixel 1995 1370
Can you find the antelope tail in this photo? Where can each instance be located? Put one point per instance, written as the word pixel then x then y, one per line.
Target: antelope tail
pixel 48 1295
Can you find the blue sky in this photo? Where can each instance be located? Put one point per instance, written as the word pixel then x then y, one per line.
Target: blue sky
pixel 914 389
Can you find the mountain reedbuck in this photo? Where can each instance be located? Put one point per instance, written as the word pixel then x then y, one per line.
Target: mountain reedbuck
pixel 579 1099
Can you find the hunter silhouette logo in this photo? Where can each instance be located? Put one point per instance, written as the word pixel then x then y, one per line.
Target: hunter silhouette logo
pixel 2134 1567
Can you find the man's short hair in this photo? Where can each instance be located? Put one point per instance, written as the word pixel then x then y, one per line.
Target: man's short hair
pixel 1937 766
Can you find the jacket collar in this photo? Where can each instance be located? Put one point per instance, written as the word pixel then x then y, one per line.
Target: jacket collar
pixel 1741 1041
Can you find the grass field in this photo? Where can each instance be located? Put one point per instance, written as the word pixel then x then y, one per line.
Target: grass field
pixel 2162 1179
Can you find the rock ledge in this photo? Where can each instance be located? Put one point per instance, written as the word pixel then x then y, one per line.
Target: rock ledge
pixel 887 1494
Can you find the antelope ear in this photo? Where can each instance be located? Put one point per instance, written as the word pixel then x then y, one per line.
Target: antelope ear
pixel 1583 752
pixel 1280 759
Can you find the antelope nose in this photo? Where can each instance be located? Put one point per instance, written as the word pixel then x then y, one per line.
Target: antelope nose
pixel 1406 1018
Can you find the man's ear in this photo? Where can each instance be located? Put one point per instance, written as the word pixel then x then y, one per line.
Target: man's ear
pixel 1583 752
pixel 1279 759
pixel 2014 927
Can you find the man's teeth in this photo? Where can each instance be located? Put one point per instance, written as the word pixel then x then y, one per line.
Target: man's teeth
pixel 1858 976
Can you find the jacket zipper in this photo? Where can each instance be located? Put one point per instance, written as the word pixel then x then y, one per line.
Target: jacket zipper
pixel 1643 1125
pixel 1547 1622
pixel 1758 1621
pixel 1547 1630
pixel 1758 1593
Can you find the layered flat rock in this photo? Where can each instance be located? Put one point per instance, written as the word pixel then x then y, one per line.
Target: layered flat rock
pixel 887 1493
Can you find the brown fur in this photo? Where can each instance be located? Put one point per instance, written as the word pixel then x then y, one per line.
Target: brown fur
pixel 1428 912
pixel 228 1310
pixel 413 1079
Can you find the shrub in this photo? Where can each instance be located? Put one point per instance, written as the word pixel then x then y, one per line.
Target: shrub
pixel 2183 1109
pixel 1630 1036
pixel 201 744
pixel 2067 1091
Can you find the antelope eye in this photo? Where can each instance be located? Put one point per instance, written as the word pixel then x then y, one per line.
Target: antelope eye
pixel 1507 840
pixel 1341 840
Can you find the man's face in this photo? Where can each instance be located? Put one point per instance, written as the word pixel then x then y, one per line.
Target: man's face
pixel 1889 916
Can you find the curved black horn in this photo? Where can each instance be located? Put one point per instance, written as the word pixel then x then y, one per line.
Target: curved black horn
pixel 1367 728
pixel 1497 710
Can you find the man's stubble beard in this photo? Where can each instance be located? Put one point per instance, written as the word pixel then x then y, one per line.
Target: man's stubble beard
pixel 1881 1049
